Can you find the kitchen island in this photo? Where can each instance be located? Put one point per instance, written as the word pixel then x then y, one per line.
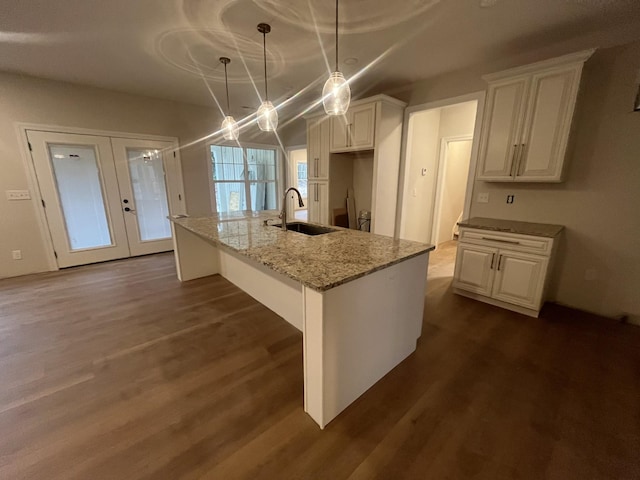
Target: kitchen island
pixel 358 298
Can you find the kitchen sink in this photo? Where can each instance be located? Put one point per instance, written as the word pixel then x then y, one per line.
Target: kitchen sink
pixel 306 228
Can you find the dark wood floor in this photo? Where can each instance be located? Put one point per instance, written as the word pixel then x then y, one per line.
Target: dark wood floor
pixel 118 371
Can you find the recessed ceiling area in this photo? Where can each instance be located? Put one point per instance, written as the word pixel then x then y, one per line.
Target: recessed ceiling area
pixel 170 49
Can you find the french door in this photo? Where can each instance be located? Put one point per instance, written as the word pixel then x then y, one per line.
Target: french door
pixel 104 197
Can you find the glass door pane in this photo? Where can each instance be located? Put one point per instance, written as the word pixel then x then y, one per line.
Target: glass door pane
pixel 79 185
pixel 149 192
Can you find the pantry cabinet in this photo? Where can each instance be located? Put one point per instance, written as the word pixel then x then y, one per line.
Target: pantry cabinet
pixel 355 130
pixel 527 120
pixel 318 202
pixel 318 149
pixel 505 269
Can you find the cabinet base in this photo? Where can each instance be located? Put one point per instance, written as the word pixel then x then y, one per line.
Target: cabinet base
pixel 508 306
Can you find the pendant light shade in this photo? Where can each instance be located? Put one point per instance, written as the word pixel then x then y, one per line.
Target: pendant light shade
pixel 230 129
pixel 267 113
pixel 336 94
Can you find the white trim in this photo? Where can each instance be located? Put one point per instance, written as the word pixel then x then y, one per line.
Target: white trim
pixel 443 152
pixel 577 57
pixel 403 177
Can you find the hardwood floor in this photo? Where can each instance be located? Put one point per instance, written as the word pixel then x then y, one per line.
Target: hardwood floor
pixel 118 371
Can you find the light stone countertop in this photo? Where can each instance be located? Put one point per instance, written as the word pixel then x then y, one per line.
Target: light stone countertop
pixel 513 226
pixel 320 262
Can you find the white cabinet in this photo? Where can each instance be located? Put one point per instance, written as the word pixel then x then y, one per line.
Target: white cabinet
pixel 355 130
pixel 318 149
pixel 500 268
pixel 318 202
pixel 527 120
pixel 359 151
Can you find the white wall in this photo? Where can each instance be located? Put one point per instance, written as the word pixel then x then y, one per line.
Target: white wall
pixel 426 130
pixel 32 100
pixel 454 184
pixel 422 152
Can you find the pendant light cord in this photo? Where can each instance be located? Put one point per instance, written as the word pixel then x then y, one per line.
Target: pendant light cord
pixel 337 36
pixel 264 52
pixel 226 82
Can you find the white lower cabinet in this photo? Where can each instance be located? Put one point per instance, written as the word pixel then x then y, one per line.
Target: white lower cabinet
pixel 511 276
pixel 318 202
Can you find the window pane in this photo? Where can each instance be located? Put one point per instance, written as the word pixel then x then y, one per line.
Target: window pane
pixel 262 164
pixel 150 194
pixel 263 196
pixel 302 178
pixel 78 180
pixel 230 197
pixel 227 163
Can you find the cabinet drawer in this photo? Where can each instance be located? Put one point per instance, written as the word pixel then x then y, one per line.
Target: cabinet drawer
pixel 513 241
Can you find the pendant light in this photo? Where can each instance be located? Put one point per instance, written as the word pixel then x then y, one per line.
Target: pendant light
pixel 336 93
pixel 267 113
pixel 230 130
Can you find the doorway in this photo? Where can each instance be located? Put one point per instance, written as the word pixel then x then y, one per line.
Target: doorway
pixel 105 197
pixel 297 174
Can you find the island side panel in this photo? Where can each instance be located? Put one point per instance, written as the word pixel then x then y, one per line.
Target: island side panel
pixel 359 331
pixel 275 291
pixel 195 257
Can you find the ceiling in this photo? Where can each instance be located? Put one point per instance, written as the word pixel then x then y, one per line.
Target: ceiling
pixel 169 49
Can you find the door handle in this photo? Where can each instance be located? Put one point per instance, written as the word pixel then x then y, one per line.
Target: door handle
pixel 130 210
pixel 493 257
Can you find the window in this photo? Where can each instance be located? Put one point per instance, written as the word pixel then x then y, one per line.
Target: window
pixel 244 178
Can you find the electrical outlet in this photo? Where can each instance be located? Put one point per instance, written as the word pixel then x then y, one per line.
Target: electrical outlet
pixel 510 198
pixel 483 198
pixel 18 195
pixel 16 254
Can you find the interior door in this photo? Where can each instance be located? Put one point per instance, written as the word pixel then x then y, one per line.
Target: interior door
pixel 79 186
pixel 146 192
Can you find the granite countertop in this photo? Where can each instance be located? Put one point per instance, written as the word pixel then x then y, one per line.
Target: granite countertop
pixel 513 226
pixel 319 262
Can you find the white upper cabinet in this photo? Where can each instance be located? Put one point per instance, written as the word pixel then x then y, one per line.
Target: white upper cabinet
pixel 317 149
pixel 355 130
pixel 527 120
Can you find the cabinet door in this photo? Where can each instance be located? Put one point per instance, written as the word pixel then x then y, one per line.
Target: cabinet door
pixel 474 268
pixel 322 164
pixel 500 140
pixel 338 137
pixel 313 149
pixel 547 123
pixel 519 278
pixel 318 202
pixel 361 130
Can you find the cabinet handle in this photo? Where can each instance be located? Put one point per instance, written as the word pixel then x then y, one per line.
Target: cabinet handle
pixel 316 193
pixel 493 257
pixel 499 262
pixel 315 167
pixel 513 160
pixel 514 242
pixel 348 134
pixel 520 157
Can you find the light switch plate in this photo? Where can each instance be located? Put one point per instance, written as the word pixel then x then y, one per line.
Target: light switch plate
pixel 483 198
pixel 18 195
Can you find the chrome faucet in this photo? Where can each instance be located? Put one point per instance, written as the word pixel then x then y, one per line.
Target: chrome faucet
pixel 283 212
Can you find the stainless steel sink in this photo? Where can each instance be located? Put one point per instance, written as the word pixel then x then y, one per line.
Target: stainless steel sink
pixel 306 228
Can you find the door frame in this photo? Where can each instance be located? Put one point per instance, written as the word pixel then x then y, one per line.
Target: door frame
pixel 403 177
pixel 32 179
pixel 443 151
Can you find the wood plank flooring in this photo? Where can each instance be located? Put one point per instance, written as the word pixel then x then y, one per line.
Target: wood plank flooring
pixel 118 371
